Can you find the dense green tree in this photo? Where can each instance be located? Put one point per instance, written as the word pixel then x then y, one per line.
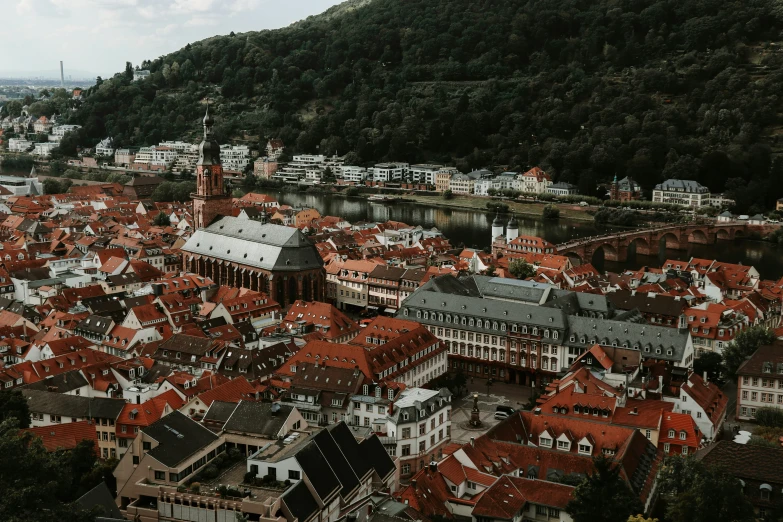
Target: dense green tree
pixel 162 220
pixel 743 346
pixel 695 493
pixel 603 496
pixel 521 269
pixel 13 405
pixel 448 194
pixel 37 485
pixel 712 363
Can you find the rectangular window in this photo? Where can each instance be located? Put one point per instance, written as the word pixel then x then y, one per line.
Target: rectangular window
pixel 422 446
pixel 293 474
pixel 160 475
pixel 406 450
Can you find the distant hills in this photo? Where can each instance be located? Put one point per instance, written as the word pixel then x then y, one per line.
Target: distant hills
pixel 48 74
pixel 586 89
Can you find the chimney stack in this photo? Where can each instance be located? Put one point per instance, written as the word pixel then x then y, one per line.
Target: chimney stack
pixel 473 442
pixel 706 379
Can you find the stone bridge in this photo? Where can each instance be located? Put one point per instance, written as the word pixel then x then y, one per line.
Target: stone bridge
pixel 650 241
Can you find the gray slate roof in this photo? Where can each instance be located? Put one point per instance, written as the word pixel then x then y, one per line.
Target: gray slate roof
pixel 646 338
pixel 685 185
pixel 72 405
pixel 256 418
pixel 248 242
pixel 178 437
pixel 476 307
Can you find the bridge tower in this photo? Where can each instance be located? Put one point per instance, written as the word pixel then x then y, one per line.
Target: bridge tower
pixel 512 229
pixel 497 227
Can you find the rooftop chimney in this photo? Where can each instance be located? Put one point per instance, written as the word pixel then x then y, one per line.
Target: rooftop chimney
pixel 706 379
pixel 473 442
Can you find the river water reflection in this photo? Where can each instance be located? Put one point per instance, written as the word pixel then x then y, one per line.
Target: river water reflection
pixel 473 229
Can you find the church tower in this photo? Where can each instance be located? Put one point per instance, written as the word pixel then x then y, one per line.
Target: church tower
pixel 210 199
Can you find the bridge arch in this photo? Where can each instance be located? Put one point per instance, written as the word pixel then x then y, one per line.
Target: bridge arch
pixel 641 245
pixel 739 233
pixel 698 236
pixel 608 249
pixel 575 258
pixel 671 241
pixel 722 234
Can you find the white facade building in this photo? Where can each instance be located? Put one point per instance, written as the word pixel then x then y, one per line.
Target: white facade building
pixel 424 173
pixel 44 150
pixel 236 157
pixel 353 174
pixel 19 145
pixel 684 192
pixel 105 147
pixel 389 171
pixel 418 428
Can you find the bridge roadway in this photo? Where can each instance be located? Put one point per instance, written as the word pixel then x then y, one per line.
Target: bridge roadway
pixel 650 240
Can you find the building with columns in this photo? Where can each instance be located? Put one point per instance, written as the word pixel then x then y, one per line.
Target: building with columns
pixel 274 259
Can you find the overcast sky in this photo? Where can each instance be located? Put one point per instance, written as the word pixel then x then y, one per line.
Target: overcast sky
pixel 99 36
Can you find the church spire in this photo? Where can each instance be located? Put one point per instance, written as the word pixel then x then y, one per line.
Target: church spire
pixel 209 150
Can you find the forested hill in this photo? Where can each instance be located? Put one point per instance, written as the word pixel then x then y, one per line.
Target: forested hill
pixel 588 89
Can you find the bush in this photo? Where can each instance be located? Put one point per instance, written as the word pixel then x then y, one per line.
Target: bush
pixel 234 453
pixel 551 212
pixel 448 194
pixel 609 216
pixel 210 472
pixel 250 478
pixel 195 487
pixel 770 417
pixel 497 207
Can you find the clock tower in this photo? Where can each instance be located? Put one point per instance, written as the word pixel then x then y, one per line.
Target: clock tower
pixel 211 198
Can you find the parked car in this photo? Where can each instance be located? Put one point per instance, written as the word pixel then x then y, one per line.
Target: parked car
pixel 503 412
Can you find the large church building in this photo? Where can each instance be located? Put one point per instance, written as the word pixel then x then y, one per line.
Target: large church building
pixel 275 259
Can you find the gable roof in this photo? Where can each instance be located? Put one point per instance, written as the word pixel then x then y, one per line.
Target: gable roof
pixel 178 438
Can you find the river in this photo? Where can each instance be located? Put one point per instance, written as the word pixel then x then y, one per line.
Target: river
pixel 473 229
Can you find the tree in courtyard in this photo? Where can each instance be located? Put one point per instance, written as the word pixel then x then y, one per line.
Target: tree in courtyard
pixel 712 363
pixel 604 496
pixel 161 220
pixel 521 269
pixel 697 493
pixel 13 405
pixel 743 346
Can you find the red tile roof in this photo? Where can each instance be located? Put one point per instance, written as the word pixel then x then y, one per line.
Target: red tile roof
pixel 65 436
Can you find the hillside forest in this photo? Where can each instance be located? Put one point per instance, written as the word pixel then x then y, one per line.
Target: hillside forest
pixel 587 90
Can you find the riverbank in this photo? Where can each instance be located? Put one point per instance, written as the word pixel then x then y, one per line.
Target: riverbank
pixel 478 204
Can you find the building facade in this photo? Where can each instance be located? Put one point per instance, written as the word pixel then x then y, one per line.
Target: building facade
pixel 683 192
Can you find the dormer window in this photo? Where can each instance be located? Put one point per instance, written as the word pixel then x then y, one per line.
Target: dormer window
pixel 683 435
pixel 545 442
pixel 671 434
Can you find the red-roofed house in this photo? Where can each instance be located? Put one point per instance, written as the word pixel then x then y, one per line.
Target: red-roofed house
pixel 232 391
pixel 679 434
pixel 137 416
pixel 321 319
pixel 65 436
